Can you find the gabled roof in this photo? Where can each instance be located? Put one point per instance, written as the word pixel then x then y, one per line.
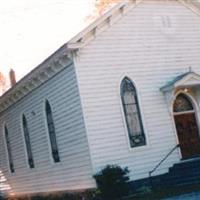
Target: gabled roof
pixel 101 23
pixel 111 16
pixel 189 79
pixel 55 63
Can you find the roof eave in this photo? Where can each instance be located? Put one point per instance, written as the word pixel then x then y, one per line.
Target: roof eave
pixel 36 77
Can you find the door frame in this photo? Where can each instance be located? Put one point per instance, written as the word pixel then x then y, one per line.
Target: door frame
pixel 195 111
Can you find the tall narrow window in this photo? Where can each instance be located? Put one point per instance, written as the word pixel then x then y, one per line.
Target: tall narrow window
pixel 28 142
pixel 52 134
pixel 132 113
pixel 8 145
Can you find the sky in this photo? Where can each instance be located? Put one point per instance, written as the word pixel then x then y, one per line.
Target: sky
pixel 33 29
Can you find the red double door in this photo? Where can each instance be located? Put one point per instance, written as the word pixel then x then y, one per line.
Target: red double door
pixel 188 135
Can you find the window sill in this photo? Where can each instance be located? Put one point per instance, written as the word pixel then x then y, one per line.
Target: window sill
pixel 139 149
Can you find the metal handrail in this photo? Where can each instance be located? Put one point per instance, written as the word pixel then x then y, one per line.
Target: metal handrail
pixel 158 165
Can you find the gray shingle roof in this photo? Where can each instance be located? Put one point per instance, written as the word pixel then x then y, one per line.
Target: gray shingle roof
pixel 172 82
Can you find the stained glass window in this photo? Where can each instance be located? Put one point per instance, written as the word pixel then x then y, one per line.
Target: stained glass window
pixel 27 142
pixel 52 133
pixel 132 113
pixel 9 150
pixel 182 103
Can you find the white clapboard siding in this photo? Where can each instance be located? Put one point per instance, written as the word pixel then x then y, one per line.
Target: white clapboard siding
pixel 143 47
pixel 75 170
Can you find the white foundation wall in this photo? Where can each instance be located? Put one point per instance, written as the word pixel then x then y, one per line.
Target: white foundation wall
pixel 151 44
pixel 74 171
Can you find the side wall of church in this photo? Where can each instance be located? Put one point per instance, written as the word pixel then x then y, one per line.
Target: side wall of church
pixel 74 171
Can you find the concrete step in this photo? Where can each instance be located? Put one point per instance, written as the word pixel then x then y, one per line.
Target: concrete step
pixel 187 164
pixel 183 173
pixel 181 181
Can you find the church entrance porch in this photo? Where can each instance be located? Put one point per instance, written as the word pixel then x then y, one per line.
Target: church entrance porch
pixel 183 97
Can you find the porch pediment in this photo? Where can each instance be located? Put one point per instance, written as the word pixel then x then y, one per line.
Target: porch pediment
pixel 189 79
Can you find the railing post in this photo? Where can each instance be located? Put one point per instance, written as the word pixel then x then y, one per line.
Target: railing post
pixel 150 181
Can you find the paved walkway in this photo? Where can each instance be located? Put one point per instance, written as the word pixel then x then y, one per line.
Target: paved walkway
pixel 191 196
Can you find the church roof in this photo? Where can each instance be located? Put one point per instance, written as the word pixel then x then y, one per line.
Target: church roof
pixel 58 60
pixel 111 16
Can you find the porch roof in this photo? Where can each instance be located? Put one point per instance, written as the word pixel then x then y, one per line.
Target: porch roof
pixel 189 79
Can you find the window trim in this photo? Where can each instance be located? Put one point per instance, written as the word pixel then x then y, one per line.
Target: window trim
pixel 25 144
pixel 5 127
pixel 137 148
pixel 48 134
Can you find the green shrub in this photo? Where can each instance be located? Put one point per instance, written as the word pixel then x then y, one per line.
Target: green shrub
pixel 112 182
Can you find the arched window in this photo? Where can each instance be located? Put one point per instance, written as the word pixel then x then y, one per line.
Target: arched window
pixel 52 134
pixel 8 145
pixel 132 113
pixel 182 104
pixel 28 142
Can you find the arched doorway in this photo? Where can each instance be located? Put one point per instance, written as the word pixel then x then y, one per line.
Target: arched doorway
pixel 186 126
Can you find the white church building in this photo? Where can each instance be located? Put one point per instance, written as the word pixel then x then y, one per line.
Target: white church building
pixel 124 91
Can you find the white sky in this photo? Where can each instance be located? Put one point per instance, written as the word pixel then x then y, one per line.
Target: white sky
pixel 33 29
